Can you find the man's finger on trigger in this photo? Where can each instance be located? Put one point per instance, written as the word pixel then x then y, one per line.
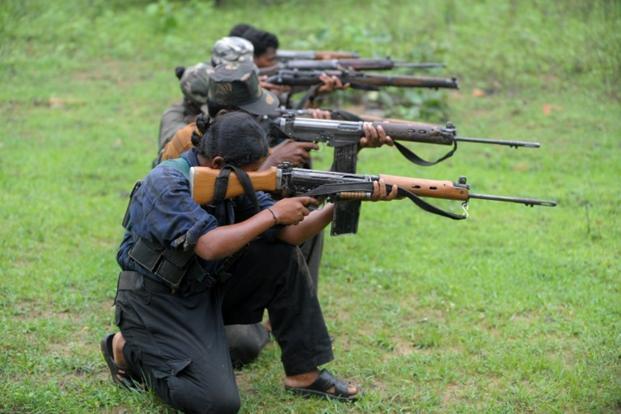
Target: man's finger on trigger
pixel 309 200
pixel 309 145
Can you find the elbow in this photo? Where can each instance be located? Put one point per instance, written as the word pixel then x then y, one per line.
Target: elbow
pixel 207 250
pixel 289 237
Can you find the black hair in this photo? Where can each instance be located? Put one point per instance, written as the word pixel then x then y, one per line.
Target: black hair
pixel 214 108
pixel 234 136
pixel 239 29
pixel 260 39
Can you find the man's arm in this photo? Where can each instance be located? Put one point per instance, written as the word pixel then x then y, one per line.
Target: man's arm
pixel 318 219
pixel 310 226
pixel 226 240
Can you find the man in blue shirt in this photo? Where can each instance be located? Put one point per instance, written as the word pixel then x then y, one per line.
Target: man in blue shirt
pixel 188 270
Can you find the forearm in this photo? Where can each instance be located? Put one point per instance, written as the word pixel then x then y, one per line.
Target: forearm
pixel 226 240
pixel 269 162
pixel 307 228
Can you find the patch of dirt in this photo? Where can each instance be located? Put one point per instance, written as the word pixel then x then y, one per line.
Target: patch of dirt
pixel 452 395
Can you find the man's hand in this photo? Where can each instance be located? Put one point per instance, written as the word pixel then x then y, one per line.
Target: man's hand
pixel 292 210
pixel 319 113
pixel 380 193
pixel 374 136
pixel 330 83
pixel 297 153
pixel 277 89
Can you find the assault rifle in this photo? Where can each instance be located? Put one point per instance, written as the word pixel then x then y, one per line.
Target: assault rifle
pixel 344 137
pixel 335 186
pixel 343 133
pixel 346 64
pixel 282 54
pixel 359 80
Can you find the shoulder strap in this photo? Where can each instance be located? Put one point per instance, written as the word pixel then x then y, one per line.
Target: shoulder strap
pixel 179 164
pixel 222 182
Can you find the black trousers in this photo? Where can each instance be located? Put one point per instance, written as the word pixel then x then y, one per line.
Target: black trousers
pixel 177 344
pixel 247 341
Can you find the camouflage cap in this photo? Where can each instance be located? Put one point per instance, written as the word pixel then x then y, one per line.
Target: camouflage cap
pixel 232 49
pixel 195 83
pixel 237 85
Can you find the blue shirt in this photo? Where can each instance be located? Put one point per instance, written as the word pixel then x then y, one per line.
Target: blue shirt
pixel 163 212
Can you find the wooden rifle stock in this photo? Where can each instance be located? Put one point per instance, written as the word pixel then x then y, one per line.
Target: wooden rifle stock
pixel 334 54
pixel 203 183
pixel 428 188
pixel 284 54
pixel 334 185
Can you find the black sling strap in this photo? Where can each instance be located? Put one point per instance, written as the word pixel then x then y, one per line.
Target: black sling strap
pixel 412 157
pixel 331 189
pixel 405 151
pixel 222 183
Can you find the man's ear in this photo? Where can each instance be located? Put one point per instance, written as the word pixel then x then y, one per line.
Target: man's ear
pixel 217 162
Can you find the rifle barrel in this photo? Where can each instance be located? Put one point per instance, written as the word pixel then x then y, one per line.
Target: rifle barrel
pixel 526 201
pixel 514 144
pixel 424 65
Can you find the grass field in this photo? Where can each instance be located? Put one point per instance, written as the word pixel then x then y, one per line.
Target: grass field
pixel 514 310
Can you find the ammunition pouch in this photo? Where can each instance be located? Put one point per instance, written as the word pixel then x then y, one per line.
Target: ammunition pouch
pixel 170 265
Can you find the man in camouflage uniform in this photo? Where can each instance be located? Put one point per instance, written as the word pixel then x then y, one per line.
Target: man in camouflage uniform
pixel 194 82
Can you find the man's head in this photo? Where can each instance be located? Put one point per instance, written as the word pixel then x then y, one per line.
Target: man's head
pixel 265 43
pixel 236 86
pixel 233 138
pixel 194 84
pixel 231 49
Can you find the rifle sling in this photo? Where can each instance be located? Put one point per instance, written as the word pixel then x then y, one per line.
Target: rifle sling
pixel 309 96
pixel 412 157
pixel 222 183
pixel 331 189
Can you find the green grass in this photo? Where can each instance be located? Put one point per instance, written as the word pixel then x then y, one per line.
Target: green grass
pixel 514 310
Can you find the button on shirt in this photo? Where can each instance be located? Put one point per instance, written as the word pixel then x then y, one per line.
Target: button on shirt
pixel 163 212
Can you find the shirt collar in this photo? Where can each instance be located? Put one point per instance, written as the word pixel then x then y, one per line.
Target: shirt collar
pixel 191 156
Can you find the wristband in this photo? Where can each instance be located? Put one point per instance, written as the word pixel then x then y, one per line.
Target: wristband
pixel 273 215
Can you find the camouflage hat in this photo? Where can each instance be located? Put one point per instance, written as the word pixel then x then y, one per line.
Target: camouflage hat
pixel 195 83
pixel 232 49
pixel 237 84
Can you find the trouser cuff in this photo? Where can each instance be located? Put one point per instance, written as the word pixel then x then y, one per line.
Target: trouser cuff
pixel 296 366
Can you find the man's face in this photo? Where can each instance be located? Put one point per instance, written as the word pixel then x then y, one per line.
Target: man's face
pixel 267 59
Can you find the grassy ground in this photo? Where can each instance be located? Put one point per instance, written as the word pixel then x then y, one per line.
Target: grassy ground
pixel 514 310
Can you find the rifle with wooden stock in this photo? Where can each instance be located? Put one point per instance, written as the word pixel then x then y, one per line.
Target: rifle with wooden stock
pixel 283 54
pixel 359 80
pixel 346 64
pixel 339 134
pixel 336 186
